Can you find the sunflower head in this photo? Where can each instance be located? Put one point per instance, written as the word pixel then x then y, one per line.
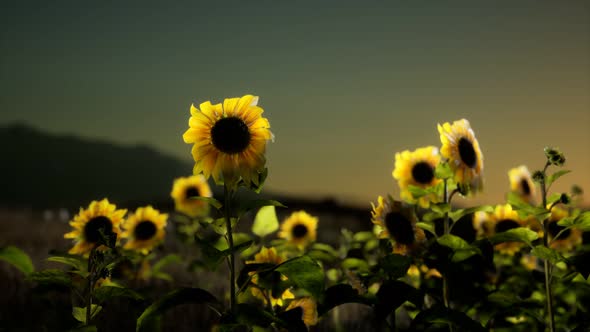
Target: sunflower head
pixel 461 149
pixel 397 223
pixel 299 229
pixel 272 279
pixel 569 238
pixel 416 168
pixel 308 308
pixel 229 140
pixel 144 229
pixel 193 186
pixel 522 184
pixel 100 219
pixel 503 218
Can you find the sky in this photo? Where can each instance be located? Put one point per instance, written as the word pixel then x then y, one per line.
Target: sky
pixel 344 84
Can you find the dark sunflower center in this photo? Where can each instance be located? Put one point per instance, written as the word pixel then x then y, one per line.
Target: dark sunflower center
pixel 230 135
pixel 400 228
pixel 191 192
pixel 94 226
pixel 422 172
pixel 299 231
pixel 467 152
pixel 526 189
pixel 505 224
pixel 144 230
pixel 554 229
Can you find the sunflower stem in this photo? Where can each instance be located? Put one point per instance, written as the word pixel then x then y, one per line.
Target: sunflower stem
pixel 446 296
pixel 90 285
pixel 230 240
pixel 546 264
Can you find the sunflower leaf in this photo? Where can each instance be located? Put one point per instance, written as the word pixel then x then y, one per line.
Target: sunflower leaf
pixel 526 210
pixel 443 171
pixel 355 264
pixel 156 270
pixel 581 221
pixel 74 261
pixel 266 221
pixel 426 226
pixel 257 204
pixel 519 234
pixel 305 273
pixel 395 265
pixel 461 249
pixel 551 178
pixel 17 258
pixel 79 313
pixel 418 192
pixel 392 294
pixel 105 293
pixel 51 277
pixel 173 299
pixel 548 254
pixel 209 200
pixel 459 213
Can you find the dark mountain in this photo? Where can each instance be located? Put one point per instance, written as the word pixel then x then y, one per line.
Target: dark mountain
pixel 40 170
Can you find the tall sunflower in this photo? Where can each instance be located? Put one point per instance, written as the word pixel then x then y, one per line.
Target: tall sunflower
pixel 416 168
pixel 461 148
pixel 100 216
pixel 397 223
pixel 229 140
pixel 309 311
pixel 144 229
pixel 503 218
pixel 522 184
pixel 186 187
pixel 269 255
pixel 299 229
pixel 569 238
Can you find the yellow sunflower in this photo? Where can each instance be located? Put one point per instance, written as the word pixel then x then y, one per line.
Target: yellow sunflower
pixel 88 224
pixel 229 140
pixel 569 238
pixel 522 184
pixel 309 311
pixel 186 187
pixel 502 219
pixel 461 148
pixel 397 223
pixel 417 169
pixel 144 229
pixel 269 255
pixel 299 229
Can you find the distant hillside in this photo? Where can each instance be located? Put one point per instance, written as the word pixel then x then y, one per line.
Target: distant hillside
pixel 41 170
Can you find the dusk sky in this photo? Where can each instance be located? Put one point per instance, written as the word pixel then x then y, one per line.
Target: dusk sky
pixel 344 84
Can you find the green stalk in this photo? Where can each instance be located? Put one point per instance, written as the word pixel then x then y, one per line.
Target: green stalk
pixel 546 263
pixel 230 240
pixel 90 286
pixel 446 295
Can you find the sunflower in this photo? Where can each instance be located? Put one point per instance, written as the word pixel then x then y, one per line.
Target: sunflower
pixel 299 229
pixel 144 229
pixel 461 148
pixel 100 216
pixel 417 169
pixel 566 240
pixel 269 255
pixel 397 223
pixel 229 140
pixel 309 311
pixel 502 219
pixel 522 184
pixel 186 187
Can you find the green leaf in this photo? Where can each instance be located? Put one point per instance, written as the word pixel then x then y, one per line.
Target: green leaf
pixel 219 225
pixel 79 313
pixel 526 210
pixel 459 213
pixel 363 236
pixel 461 249
pixel 105 293
pixel 441 208
pixel 173 299
pixel 426 226
pixel 17 258
pixel 582 221
pixel 418 192
pixel 555 197
pixel 213 256
pixel 551 178
pixel 441 315
pixel 257 183
pixel 266 221
pixel 443 171
pixel 305 273
pixel 338 295
pixel 392 294
pixel 519 234
pixel 548 254
pixel 164 261
pixel 355 264
pixel 51 277
pixel 74 261
pixel 257 204
pixel 209 200
pixel 395 265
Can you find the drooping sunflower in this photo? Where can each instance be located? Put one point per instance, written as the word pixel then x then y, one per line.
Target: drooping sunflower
pixel 229 140
pixel 186 187
pixel 461 148
pixel 416 168
pixel 522 184
pixel 144 229
pixel 309 311
pixel 569 238
pixel 269 255
pixel 397 223
pixel 503 218
pixel 299 229
pixel 100 216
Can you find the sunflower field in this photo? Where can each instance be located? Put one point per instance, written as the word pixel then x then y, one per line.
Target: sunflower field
pixel 422 265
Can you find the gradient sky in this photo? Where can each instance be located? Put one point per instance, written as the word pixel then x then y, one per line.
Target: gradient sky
pixel 344 84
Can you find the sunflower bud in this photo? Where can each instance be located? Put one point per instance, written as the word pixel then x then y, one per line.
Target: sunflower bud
pixel 554 156
pixel 565 198
pixel 538 176
pixel 577 190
